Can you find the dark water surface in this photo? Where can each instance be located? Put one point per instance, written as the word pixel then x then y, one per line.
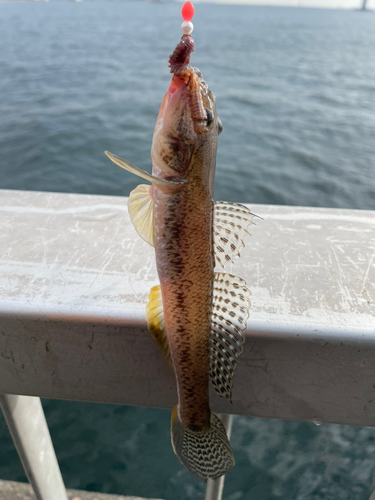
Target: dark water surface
pixel 295 91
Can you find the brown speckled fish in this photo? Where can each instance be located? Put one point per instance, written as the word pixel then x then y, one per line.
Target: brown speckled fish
pixel 196 315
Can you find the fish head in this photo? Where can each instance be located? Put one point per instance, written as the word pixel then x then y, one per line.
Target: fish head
pixel 187 127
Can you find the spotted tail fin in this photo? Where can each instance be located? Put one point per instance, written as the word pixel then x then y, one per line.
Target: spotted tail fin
pixel 206 453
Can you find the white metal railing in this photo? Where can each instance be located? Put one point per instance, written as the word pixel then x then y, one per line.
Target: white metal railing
pixel 27 424
pixel 74 278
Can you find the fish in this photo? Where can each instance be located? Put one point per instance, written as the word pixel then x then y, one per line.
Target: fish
pixel 197 314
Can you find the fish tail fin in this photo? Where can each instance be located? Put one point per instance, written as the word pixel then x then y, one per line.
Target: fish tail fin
pixel 205 453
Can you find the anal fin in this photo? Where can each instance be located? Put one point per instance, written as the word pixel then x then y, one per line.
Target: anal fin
pixel 230 310
pixel 155 321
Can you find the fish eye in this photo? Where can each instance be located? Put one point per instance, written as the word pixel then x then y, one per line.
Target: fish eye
pixel 219 126
pixel 210 116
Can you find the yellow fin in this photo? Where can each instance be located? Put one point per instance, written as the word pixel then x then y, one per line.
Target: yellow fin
pixel 155 321
pixel 141 212
pixel 206 453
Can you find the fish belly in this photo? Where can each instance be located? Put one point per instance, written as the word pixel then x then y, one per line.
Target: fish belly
pixel 185 264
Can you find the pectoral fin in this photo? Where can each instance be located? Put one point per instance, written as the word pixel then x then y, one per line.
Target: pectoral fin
pixel 141 212
pixel 229 314
pixel 155 321
pixel 137 171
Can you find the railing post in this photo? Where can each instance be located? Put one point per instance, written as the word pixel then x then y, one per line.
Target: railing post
pixel 214 489
pixel 27 424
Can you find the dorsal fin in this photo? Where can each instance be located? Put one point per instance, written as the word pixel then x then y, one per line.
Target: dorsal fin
pixel 231 301
pixel 230 227
pixel 155 321
pixel 141 212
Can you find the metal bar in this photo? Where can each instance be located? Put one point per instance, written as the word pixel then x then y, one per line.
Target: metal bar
pixel 28 427
pixel 214 489
pixel 310 340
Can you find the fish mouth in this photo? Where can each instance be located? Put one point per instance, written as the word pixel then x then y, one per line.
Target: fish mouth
pixel 199 97
pixel 187 115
